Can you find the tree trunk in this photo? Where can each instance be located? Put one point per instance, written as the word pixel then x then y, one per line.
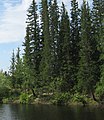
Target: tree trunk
pixel 93 96
pixel 33 92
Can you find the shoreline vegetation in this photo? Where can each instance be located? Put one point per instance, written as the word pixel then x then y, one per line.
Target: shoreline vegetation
pixel 63 57
pixel 59 99
pixel 43 101
pixel 9 95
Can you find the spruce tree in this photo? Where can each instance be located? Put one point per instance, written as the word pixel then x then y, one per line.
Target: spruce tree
pixel 27 48
pixel 64 51
pixel 12 70
pixel 19 69
pixel 86 78
pixel 27 61
pixel 46 52
pixel 32 46
pixel 98 25
pixel 54 36
pixel 97 16
pixel 33 24
pixel 74 38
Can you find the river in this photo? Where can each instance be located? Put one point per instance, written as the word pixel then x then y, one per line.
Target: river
pixel 49 112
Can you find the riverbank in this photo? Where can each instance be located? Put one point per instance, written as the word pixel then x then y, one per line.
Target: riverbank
pixel 59 99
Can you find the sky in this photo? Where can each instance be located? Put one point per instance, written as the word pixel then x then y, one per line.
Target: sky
pixel 12 27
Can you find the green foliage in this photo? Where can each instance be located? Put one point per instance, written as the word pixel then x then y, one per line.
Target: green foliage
pixel 32 45
pixel 75 32
pixel 64 50
pixel 12 70
pixel 100 92
pixel 5 100
pixel 19 70
pixel 79 98
pixel 4 85
pixel 45 66
pixel 54 36
pixel 61 98
pixel 15 92
pixel 62 55
pixel 86 72
pixel 25 98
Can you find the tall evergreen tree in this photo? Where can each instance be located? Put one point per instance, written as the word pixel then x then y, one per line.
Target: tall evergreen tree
pixel 97 22
pixel 28 82
pixel 102 51
pixel 54 36
pixel 98 17
pixel 12 70
pixel 33 24
pixel 19 69
pixel 74 37
pixel 64 50
pixel 27 48
pixel 97 32
pixel 86 78
pixel 32 47
pixel 46 52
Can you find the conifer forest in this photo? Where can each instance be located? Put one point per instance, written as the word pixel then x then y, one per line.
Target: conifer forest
pixel 62 61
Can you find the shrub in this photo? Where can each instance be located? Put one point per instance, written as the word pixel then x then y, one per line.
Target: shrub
pixel 61 98
pixel 4 86
pixel 5 100
pixel 15 92
pixel 100 92
pixel 25 98
pixel 79 98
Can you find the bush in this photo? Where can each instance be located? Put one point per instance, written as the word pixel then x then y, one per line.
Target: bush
pixel 25 98
pixel 79 98
pixel 15 92
pixel 5 100
pixel 100 92
pixel 4 86
pixel 61 98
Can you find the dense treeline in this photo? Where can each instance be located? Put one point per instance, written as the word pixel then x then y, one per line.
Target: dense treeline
pixel 63 52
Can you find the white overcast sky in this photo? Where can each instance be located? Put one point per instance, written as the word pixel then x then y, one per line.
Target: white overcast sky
pixel 12 20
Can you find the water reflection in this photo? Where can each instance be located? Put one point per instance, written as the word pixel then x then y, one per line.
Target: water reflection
pixel 7 114
pixel 49 112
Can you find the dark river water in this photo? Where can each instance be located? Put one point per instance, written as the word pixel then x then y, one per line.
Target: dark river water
pixel 49 112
